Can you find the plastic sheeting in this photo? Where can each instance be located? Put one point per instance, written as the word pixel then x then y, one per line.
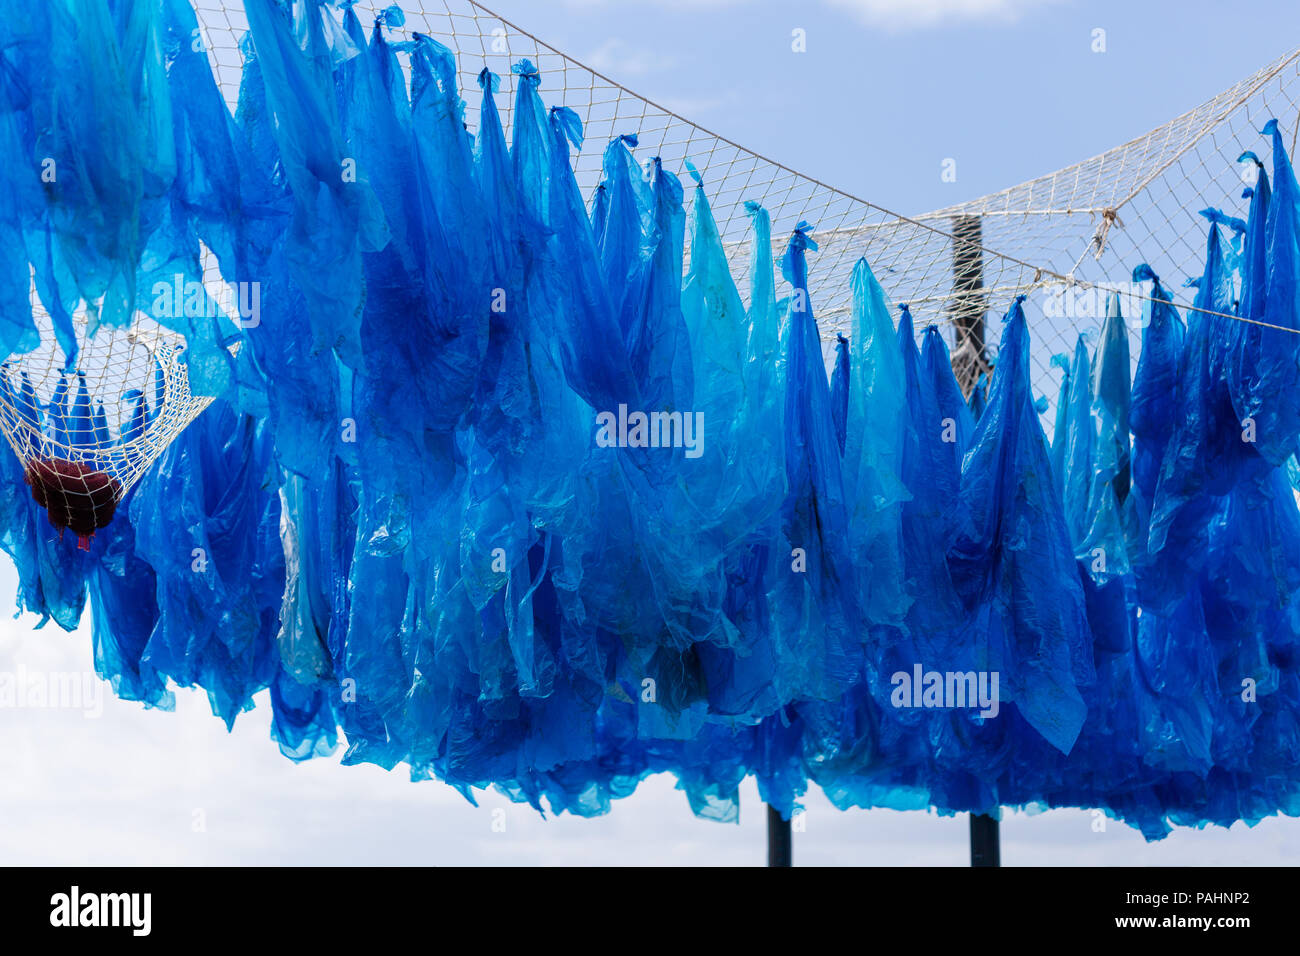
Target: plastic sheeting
pixel 496 490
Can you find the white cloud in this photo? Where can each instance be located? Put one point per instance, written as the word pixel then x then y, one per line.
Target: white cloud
pixel 127 786
pixel 616 59
pixel 899 15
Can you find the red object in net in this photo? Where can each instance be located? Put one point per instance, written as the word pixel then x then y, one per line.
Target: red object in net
pixel 74 496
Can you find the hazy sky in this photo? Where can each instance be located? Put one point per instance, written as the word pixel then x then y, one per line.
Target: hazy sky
pixel 112 783
pixel 885 91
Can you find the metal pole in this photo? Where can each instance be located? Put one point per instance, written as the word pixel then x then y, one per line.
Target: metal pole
pixel 968 356
pixel 985 847
pixel 779 841
pixel 969 361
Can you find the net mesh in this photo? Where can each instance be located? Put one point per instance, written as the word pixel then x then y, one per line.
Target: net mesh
pixel 86 434
pixel 85 431
pixel 1063 240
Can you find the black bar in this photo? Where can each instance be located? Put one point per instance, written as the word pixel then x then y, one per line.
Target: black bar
pixel 779 840
pixel 985 845
pixel 35 907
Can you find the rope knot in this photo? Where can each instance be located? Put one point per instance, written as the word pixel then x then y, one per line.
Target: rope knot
pixel 1109 217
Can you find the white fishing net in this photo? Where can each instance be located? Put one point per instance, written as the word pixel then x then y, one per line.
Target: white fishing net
pixel 85 433
pixel 1062 239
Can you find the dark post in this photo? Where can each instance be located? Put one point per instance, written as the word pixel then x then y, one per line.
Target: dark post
pixel 985 848
pixel 779 848
pixel 968 357
pixel 969 362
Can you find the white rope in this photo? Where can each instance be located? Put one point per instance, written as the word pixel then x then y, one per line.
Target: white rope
pixel 1034 236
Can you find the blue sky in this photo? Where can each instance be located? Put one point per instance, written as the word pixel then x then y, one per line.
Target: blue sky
pixel 886 90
